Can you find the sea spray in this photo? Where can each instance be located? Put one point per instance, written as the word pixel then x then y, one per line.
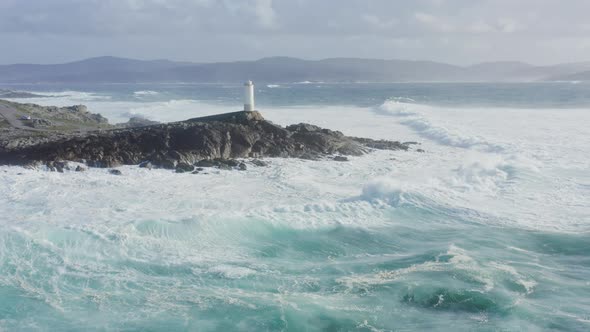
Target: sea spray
pixel 461 235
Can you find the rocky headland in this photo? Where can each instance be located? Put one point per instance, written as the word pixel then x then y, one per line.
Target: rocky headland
pixel 214 141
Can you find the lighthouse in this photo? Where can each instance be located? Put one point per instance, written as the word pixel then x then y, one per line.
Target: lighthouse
pixel 249 96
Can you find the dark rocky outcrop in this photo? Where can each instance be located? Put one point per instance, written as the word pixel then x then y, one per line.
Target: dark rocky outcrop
pixel 184 168
pixel 383 144
pixel 259 163
pixel 204 142
pixel 54 166
pixel 77 114
pixel 146 164
pixel 39 123
pixel 206 163
pixel 137 121
pixel 26 125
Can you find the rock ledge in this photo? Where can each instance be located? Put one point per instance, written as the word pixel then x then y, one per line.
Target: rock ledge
pixel 217 137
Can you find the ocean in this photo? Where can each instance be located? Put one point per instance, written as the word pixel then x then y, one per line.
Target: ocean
pixel 487 230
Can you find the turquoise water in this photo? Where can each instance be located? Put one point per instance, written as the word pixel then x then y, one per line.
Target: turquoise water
pixel 540 95
pixel 487 231
pixel 400 277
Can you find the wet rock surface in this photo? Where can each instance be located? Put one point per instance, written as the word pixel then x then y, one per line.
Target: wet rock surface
pixel 213 141
pixel 184 168
pixel 138 121
pixel 259 163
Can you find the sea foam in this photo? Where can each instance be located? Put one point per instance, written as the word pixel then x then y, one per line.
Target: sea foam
pixel 302 244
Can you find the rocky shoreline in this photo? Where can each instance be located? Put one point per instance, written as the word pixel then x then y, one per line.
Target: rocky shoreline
pixel 214 141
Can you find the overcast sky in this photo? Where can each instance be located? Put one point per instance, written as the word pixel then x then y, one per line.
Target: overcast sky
pixel 454 31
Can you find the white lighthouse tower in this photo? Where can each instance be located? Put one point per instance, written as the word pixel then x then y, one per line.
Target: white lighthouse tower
pixel 249 96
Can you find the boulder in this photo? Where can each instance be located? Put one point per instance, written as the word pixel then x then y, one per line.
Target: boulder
pixel 80 169
pixel 32 165
pixel 242 167
pixel 146 164
pixel 59 166
pixel 382 144
pixel 115 172
pixel 340 158
pixel 184 167
pixel 138 121
pixel 95 163
pixel 64 165
pixel 39 123
pixel 259 163
pixel 206 163
pixel 310 156
pixel 229 162
pixel 168 163
pixel 303 127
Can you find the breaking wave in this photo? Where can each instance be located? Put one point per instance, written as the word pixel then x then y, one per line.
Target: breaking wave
pixel 474 232
pixel 146 93
pixel 70 97
pixel 412 117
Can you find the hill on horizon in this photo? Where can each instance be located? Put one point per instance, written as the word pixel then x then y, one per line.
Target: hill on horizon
pixel 109 69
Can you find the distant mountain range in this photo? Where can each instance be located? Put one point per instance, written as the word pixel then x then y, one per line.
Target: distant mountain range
pixel 286 70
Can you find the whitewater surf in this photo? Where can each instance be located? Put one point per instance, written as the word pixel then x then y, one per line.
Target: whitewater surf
pixel 486 229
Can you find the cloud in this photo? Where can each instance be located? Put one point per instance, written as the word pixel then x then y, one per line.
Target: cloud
pixel 441 30
pixel 480 27
pixel 433 22
pixel 509 25
pixel 378 23
pixel 265 13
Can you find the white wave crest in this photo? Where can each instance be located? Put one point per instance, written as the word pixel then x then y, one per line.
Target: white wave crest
pixel 71 96
pixel 383 189
pixel 146 93
pixel 415 120
pixel 484 173
pixel 231 271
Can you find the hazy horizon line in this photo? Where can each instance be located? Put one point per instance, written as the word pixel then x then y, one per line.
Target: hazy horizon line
pixel 192 62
